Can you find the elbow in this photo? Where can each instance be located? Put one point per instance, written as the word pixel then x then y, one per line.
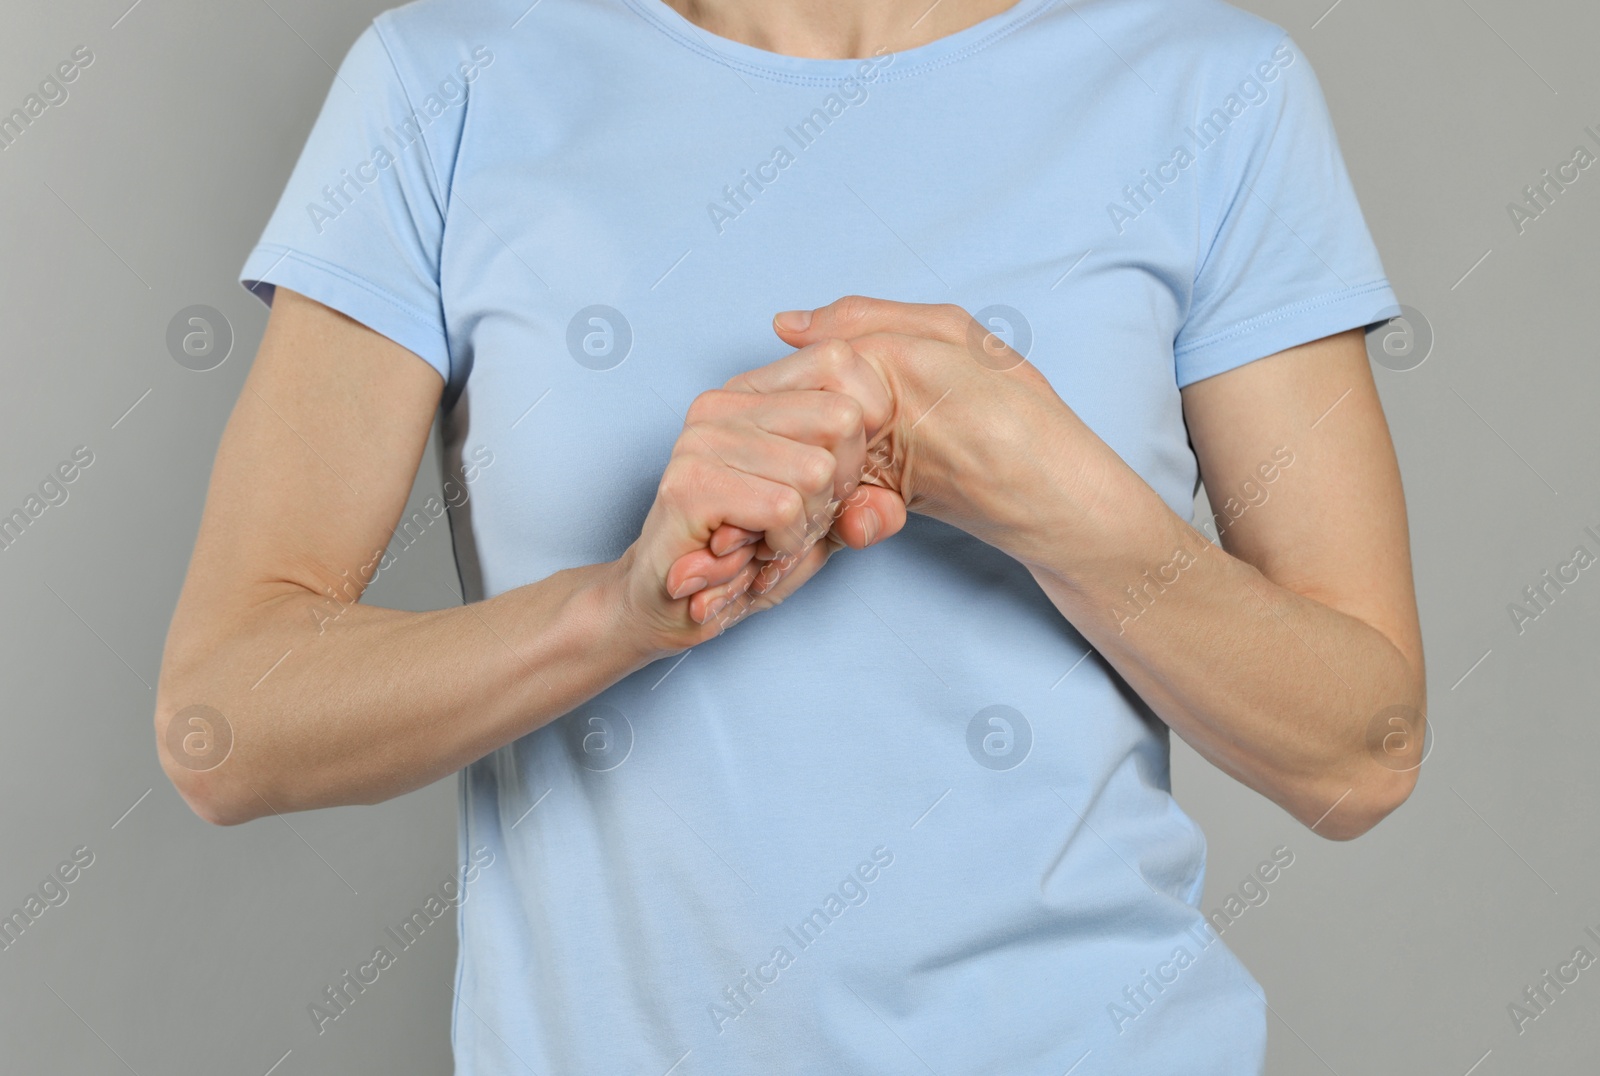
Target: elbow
pixel 195 745
pixel 1376 777
pixel 209 806
pixel 1358 808
pixel 211 796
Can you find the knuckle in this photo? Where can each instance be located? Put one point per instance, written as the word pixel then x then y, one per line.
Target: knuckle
pixel 834 354
pixel 953 319
pixel 706 407
pixel 843 415
pixel 817 468
pixel 787 506
pixel 690 443
pixel 852 308
pixel 683 478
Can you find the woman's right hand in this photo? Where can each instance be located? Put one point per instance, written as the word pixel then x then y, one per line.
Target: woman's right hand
pixel 774 465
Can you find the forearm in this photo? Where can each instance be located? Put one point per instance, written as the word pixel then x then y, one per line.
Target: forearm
pixel 1278 683
pixel 377 702
pixel 1272 686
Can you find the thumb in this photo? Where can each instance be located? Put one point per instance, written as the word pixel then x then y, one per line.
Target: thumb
pixel 870 515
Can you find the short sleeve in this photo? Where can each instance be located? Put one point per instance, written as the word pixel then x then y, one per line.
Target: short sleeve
pixel 1290 259
pixel 360 224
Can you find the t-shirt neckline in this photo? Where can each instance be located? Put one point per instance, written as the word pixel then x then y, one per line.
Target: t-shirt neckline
pixel 807 70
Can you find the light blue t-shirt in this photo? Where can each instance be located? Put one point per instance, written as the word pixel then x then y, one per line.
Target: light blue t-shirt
pixel 907 822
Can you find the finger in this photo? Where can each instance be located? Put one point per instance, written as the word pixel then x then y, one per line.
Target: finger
pixel 772 572
pixel 856 315
pixel 699 569
pixel 739 605
pixel 786 577
pixel 827 419
pixel 831 365
pixel 873 514
pixel 812 472
pixel 727 538
pixel 701 493
pixel 714 600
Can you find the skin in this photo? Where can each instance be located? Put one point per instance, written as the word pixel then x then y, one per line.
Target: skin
pixel 1270 656
pixel 836 29
pixel 310 479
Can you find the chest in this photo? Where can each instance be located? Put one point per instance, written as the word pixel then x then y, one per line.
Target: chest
pixel 606 264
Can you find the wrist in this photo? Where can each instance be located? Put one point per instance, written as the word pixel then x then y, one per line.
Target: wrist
pixel 1105 532
pixel 621 615
pixel 1045 490
pixel 631 615
pixel 1087 512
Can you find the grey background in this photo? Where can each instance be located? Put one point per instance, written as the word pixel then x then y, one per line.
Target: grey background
pixel 190 949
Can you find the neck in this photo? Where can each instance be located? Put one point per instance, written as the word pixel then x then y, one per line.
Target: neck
pixel 836 29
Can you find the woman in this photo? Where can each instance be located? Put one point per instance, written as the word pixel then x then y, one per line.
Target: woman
pixel 1045 267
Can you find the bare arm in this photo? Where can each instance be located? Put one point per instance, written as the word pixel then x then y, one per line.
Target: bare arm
pixel 310 478
pixel 1283 659
pixel 1280 659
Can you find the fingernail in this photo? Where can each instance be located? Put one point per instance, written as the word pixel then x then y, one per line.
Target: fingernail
pixel 794 320
pixel 871 524
pixel 692 585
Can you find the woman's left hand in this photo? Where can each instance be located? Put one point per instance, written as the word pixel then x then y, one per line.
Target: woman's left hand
pixel 960 426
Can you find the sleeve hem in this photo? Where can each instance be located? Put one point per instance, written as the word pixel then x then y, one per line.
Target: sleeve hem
pixel 1283 328
pixel 270 265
